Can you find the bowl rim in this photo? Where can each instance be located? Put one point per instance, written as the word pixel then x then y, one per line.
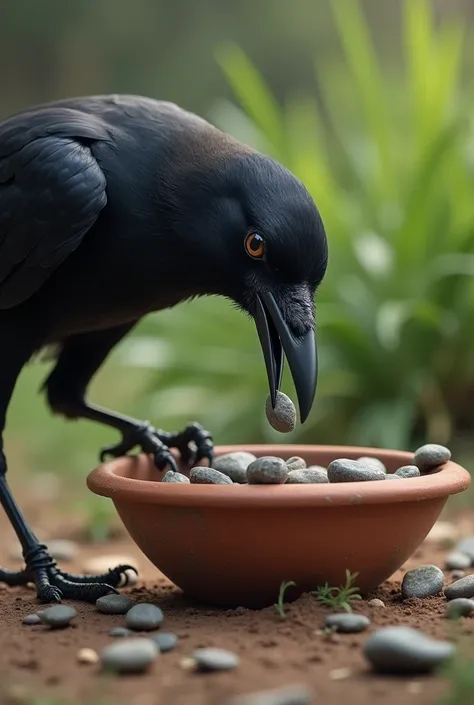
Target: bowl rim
pixel 446 480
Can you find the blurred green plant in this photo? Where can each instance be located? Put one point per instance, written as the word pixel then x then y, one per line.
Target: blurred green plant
pixel 339 597
pixel 458 673
pixel 390 163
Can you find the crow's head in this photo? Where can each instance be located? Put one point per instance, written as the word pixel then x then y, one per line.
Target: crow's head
pixel 253 234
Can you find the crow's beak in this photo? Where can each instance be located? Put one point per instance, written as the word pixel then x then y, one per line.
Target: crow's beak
pixel 276 338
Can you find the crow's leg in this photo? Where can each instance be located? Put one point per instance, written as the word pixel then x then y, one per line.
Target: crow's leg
pixel 80 358
pixel 52 584
pixel 40 568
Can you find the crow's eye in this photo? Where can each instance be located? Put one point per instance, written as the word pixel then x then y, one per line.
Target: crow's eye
pixel 255 246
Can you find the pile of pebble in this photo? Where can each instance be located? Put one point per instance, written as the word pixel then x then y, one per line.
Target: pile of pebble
pixel 140 640
pixel 403 650
pixel 392 649
pixel 131 653
pixel 245 468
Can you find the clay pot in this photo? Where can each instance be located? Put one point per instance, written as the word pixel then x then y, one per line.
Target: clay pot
pixel 231 545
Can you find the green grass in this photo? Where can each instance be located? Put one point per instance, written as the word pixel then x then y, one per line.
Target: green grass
pixel 339 597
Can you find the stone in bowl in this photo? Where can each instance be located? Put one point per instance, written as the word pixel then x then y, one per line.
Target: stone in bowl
pixel 231 545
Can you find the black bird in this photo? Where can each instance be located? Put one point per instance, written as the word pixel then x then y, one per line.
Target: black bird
pixel 112 207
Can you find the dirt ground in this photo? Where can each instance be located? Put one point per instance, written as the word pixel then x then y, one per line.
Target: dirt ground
pixel 37 662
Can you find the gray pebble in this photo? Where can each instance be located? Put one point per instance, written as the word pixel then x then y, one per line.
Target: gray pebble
pixel 405 650
pixel 268 470
pixel 456 574
pixel 466 546
pixel 172 476
pixel 460 588
pixel 301 477
pixel 372 462
pixel 234 465
pixel 392 476
pixel 345 470
pixel 120 631
pixel 31 619
pixel 58 616
pixel 459 607
pixel 283 416
pixel 457 561
pixel 430 456
pixel 208 476
pixel 407 471
pixel 129 656
pixel 144 617
pixel 347 623
pixel 296 463
pixel 166 641
pixel 423 581
pixel 114 604
pixel 288 695
pixel 215 659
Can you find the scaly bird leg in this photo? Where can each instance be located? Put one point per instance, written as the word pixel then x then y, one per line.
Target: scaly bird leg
pixel 51 583
pixel 40 568
pixel 80 358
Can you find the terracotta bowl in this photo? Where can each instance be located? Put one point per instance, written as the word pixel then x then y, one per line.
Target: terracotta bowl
pixel 231 545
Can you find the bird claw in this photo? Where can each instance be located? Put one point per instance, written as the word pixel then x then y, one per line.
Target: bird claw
pixel 52 584
pixel 157 443
pixel 114 451
pixel 145 437
pixel 202 440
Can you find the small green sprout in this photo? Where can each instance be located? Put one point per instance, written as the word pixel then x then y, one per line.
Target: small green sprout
pixel 280 604
pixel 328 633
pixel 339 597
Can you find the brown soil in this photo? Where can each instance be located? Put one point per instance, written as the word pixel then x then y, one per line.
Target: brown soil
pixel 274 652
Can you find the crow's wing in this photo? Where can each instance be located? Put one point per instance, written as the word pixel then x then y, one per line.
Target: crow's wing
pixel 52 191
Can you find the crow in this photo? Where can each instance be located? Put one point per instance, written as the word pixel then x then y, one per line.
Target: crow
pixel 116 206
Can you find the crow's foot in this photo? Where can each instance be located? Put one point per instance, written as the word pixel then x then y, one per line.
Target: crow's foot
pixel 53 584
pixel 158 443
